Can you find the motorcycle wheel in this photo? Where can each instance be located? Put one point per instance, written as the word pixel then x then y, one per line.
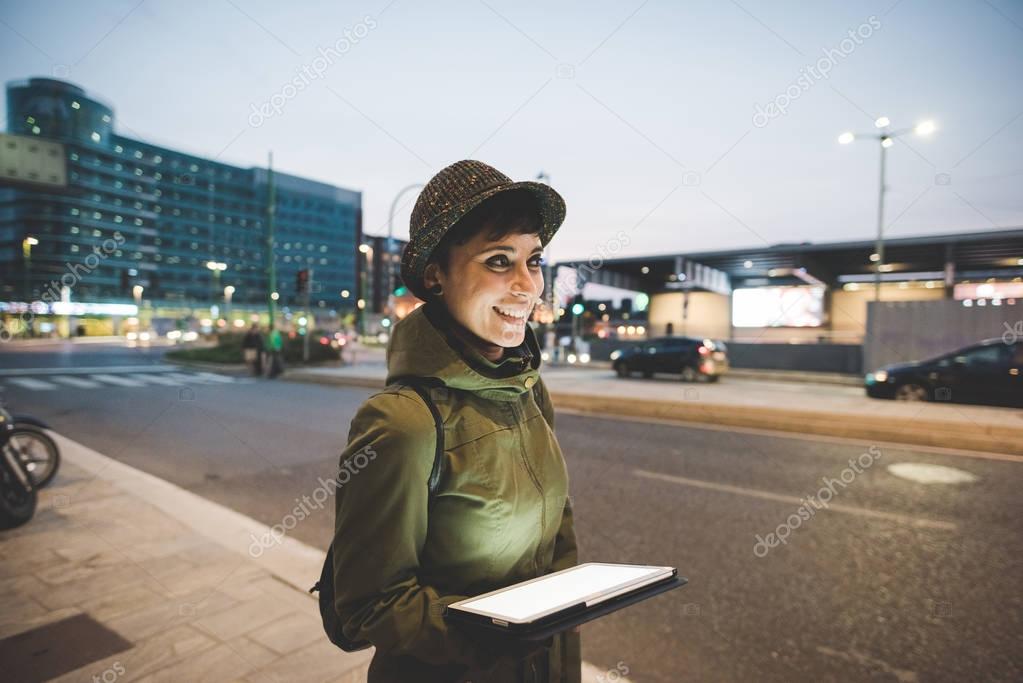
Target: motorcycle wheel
pixel 37 451
pixel 17 502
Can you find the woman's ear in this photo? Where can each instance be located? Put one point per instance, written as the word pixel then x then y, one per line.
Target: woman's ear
pixel 432 276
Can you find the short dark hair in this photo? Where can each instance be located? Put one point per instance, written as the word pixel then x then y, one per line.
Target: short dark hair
pixel 513 212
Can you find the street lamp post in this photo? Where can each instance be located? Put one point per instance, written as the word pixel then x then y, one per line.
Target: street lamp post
pixel 360 304
pixel 886 137
pixel 216 268
pixel 26 248
pixel 390 244
pixel 228 294
pixel 551 331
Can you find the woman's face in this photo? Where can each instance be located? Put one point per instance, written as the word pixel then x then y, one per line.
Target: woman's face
pixel 490 287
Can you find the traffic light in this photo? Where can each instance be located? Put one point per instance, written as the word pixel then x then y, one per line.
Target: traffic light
pixel 302 281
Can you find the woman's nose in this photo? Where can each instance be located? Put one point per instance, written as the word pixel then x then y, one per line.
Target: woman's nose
pixel 523 284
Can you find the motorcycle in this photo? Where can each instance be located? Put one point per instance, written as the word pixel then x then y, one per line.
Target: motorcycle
pixel 37 450
pixel 17 489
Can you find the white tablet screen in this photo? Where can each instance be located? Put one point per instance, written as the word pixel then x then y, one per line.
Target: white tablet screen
pixel 532 599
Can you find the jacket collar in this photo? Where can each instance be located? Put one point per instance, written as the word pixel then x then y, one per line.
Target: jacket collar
pixel 425 344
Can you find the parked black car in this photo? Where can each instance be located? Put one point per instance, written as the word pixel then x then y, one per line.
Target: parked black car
pixel 990 372
pixel 693 359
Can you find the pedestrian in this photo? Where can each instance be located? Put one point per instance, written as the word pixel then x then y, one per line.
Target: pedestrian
pixel 274 348
pixel 501 514
pixel 252 349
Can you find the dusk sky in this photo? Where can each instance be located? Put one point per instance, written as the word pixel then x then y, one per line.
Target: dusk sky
pixel 644 114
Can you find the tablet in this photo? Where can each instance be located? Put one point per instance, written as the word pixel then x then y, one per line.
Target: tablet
pixel 570 591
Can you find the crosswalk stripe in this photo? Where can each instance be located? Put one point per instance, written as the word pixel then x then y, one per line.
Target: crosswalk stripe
pixel 212 377
pixel 156 379
pixel 119 381
pixel 30 383
pixel 32 372
pixel 75 382
pixel 198 377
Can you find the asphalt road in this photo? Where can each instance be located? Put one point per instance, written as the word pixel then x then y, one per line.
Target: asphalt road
pixel 894 581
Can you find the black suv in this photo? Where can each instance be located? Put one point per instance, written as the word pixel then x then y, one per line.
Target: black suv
pixel 692 358
pixel 990 372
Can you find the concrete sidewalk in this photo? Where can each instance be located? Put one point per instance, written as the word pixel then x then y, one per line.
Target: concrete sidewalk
pixel 171 576
pixel 824 409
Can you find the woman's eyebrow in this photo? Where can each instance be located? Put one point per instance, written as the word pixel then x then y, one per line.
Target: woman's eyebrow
pixel 510 249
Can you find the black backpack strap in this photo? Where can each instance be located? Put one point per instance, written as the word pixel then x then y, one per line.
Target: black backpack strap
pixel 438 455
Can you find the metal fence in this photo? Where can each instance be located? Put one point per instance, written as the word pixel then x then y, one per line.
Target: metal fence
pixel 900 331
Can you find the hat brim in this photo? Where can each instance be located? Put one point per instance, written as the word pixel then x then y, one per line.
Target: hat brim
pixel 550 204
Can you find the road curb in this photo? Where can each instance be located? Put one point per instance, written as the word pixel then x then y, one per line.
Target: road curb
pixel 920 432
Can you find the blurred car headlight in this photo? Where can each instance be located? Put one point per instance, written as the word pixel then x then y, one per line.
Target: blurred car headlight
pixel 616 354
pixel 144 336
pixel 191 335
pixel 584 358
pixel 880 376
pixel 132 336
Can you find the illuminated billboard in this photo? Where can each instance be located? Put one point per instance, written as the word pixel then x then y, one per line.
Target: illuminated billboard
pixel 778 307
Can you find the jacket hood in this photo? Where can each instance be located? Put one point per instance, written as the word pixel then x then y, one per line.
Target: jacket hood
pixel 420 346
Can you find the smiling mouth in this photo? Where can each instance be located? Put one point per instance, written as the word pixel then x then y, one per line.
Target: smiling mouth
pixel 511 316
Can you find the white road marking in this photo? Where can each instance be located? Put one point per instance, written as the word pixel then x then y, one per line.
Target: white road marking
pixel 118 381
pixel 199 378
pixel 181 377
pixel 77 382
pixel 34 384
pixel 923 473
pixel 155 379
pixel 20 372
pixel 794 500
pixel 212 377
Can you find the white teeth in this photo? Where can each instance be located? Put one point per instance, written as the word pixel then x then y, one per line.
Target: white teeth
pixel 512 314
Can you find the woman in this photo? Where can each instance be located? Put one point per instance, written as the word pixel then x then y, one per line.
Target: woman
pixel 501 514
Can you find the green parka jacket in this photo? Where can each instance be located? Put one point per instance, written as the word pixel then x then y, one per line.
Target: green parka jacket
pixel 501 514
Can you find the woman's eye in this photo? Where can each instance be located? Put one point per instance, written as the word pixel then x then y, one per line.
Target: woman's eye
pixel 536 262
pixel 499 261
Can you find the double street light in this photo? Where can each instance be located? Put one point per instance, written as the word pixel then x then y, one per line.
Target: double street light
pixel 886 136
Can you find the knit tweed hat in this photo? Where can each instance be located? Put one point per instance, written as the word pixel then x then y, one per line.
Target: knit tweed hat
pixel 451 194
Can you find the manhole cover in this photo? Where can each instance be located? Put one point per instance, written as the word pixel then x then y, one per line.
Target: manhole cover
pixel 54 649
pixel 931 474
